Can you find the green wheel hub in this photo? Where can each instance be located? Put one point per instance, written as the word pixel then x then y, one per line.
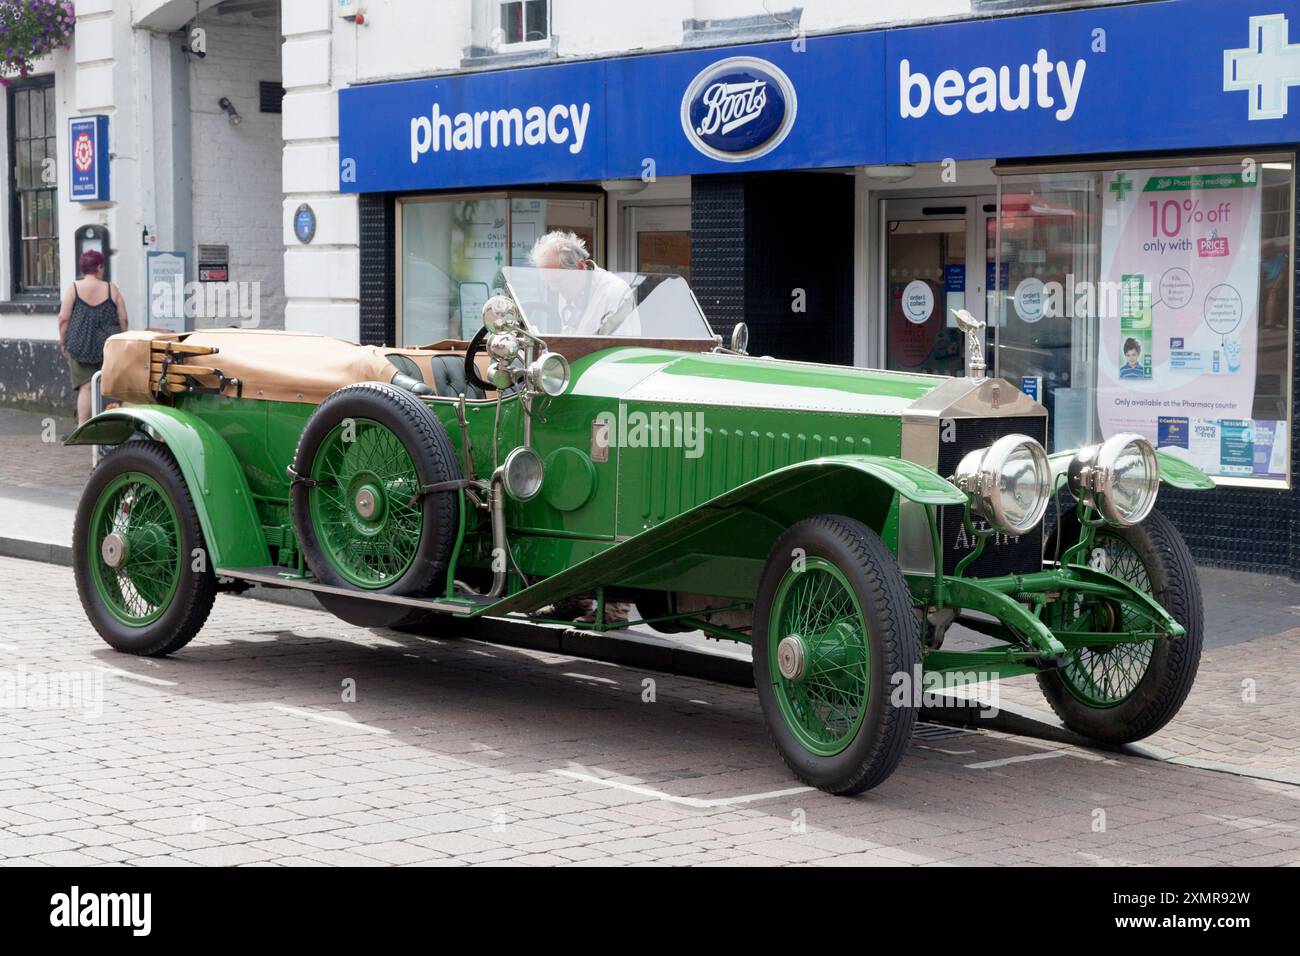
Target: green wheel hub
pixel 134 549
pixel 365 508
pixel 1107 676
pixel 819 658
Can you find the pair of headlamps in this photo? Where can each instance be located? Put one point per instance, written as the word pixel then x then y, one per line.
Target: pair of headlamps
pixel 1010 482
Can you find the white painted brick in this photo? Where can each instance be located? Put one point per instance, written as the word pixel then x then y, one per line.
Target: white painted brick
pixel 306 62
pixel 85 8
pixel 311 169
pixel 339 319
pixel 94 87
pixel 93 40
pixel 336 221
pixel 305 16
pixel 313 115
pixel 322 273
pixel 236 185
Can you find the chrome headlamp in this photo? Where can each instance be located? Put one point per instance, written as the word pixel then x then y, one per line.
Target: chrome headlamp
pixel 504 349
pixel 1009 483
pixel 522 473
pixel 1120 478
pixel 501 314
pixel 549 374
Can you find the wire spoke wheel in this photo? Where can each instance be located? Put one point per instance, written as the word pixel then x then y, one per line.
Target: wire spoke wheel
pixel 819 656
pixel 133 549
pixel 365 507
pixel 1107 676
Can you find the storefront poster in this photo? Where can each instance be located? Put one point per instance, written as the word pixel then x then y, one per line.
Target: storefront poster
pixel 1227 447
pixel 1178 309
pixel 527 225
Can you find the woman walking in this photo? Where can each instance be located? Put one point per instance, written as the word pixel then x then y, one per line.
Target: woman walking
pixel 91 311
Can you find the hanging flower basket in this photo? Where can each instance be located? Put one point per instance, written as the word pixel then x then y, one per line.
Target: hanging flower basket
pixel 29 29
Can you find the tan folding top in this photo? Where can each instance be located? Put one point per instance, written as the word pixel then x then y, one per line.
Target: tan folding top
pixel 271 365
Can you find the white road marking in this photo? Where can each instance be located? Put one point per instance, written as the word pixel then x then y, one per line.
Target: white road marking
pixel 599 680
pixel 326 718
pixel 684 801
pixel 140 677
pixel 1045 755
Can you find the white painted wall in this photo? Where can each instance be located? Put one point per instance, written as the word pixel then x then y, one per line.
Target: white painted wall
pixel 236 169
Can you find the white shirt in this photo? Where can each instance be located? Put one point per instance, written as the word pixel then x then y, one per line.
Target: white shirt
pixel 607 306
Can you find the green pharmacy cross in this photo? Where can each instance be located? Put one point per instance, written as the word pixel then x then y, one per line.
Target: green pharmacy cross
pixel 1121 187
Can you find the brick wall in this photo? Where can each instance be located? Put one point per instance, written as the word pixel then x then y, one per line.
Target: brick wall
pixel 236 169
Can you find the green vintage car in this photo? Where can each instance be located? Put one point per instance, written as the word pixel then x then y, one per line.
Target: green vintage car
pixel 595 440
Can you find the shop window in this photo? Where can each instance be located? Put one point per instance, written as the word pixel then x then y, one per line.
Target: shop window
pixel 33 187
pixel 525 21
pixel 451 251
pixel 1155 297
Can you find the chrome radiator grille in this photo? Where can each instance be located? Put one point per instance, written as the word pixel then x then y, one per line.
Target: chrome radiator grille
pixel 1002 554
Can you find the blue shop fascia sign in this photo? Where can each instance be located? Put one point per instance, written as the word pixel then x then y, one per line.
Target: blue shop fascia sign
pixel 1150 76
pixel 88 179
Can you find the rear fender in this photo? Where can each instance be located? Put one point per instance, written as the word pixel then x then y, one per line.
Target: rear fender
pixel 212 473
pixel 719 547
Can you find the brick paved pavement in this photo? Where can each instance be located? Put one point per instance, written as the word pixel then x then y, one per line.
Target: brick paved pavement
pixel 1244 709
pixel 241 750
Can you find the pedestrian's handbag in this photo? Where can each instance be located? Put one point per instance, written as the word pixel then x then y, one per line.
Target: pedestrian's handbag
pixel 88 330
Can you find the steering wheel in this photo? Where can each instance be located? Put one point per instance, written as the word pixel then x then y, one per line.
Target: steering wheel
pixel 476 345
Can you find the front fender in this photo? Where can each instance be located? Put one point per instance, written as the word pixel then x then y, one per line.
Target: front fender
pixel 726 540
pixel 216 482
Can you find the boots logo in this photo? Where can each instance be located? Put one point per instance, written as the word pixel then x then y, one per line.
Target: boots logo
pixel 1266 69
pixel 738 109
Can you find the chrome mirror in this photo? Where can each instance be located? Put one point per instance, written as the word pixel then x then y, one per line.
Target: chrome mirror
pixel 740 338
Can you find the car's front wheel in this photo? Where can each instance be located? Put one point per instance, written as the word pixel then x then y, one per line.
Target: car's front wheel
pixel 1119 693
pixel 833 624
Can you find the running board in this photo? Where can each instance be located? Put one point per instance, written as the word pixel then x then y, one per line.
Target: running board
pixel 468 605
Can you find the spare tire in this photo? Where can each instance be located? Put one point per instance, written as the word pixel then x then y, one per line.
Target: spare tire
pixel 363 516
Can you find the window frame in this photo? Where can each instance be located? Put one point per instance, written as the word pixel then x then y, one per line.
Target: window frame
pixel 598 233
pixel 524 44
pixel 1202 158
pixel 18 291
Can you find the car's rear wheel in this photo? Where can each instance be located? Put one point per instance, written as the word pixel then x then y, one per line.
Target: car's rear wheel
pixel 833 624
pixel 140 562
pixel 361 507
pixel 1123 692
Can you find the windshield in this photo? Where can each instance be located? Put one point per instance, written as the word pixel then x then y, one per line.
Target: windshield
pixel 594 302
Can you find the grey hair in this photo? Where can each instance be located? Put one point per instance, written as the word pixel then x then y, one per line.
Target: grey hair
pixel 567 248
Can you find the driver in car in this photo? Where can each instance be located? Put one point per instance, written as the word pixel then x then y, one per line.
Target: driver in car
pixel 601 304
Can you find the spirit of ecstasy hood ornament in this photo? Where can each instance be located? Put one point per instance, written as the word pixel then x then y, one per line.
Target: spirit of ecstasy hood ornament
pixel 974 329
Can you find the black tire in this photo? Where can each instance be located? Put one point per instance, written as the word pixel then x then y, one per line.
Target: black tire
pixel 894 643
pixel 191 602
pixel 434 457
pixel 1172 667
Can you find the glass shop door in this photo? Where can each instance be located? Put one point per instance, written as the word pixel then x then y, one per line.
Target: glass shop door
pixel 937 257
